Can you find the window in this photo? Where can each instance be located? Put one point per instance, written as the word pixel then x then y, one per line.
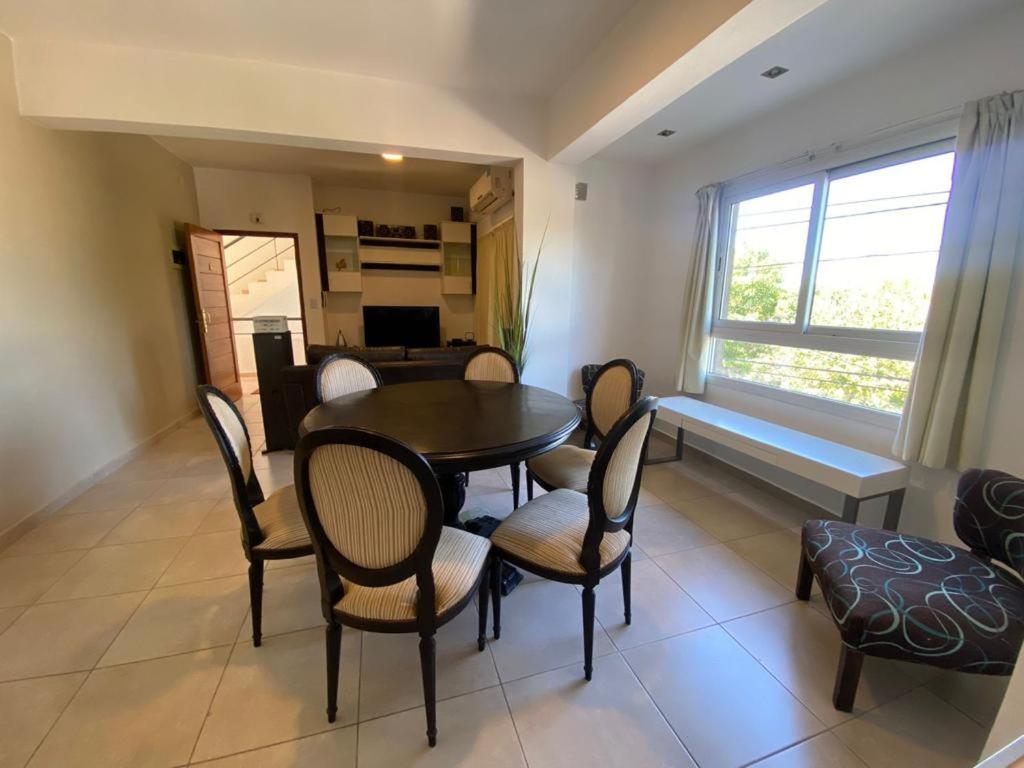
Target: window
pixel 823 282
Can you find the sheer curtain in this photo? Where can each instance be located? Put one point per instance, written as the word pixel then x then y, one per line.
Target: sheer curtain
pixel 495 255
pixel 699 289
pixel 944 421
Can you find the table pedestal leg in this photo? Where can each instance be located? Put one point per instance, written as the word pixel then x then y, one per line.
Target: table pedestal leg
pixel 453 493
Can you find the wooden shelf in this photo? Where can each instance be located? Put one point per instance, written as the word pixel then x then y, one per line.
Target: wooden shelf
pixel 394 265
pixel 399 242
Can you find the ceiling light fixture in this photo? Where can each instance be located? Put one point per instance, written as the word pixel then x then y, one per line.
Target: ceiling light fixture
pixel 392 157
pixel 666 132
pixel 774 72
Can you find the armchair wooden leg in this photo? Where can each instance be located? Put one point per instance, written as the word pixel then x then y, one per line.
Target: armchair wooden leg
pixel 529 485
pixel 627 568
pixel 804 578
pixel 256 600
pixel 847 677
pixel 514 469
pixel 333 636
pixel 427 664
pixel 496 595
pixel 481 635
pixel 588 632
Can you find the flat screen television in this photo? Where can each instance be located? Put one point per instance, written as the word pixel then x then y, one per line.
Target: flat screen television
pixel 402 326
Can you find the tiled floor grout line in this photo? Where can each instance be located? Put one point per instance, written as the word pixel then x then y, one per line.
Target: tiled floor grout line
pixel 213 697
pixel 89 674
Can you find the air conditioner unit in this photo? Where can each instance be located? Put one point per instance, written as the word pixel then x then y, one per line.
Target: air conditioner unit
pixel 491 190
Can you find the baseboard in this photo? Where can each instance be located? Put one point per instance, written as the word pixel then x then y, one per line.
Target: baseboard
pixel 19 529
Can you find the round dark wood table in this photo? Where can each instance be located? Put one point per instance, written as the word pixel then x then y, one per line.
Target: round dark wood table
pixel 458 426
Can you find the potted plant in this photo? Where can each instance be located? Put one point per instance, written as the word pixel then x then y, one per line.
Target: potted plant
pixel 513 302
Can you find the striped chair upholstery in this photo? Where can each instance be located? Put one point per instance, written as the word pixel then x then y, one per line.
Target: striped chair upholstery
pixel 370 505
pixel 613 393
pixel 272 527
pixel 234 431
pixel 549 530
pixel 339 375
pixel 281 522
pixel 385 561
pixel 568 466
pixel 488 365
pixel 458 560
pixel 580 538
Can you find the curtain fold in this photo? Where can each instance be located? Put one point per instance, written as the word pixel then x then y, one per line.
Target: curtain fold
pixel 946 414
pixel 699 290
pixel 495 257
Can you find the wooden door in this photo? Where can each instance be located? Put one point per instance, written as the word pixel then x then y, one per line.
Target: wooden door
pixel 212 310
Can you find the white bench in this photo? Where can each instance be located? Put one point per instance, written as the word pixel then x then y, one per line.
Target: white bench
pixel 858 475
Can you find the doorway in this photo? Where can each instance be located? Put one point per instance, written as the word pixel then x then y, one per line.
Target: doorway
pixel 262 271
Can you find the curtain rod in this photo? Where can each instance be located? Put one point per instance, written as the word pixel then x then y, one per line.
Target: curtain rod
pixel 935 118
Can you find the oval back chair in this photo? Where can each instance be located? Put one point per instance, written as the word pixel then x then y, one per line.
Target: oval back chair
pixel 272 527
pixel 385 562
pixel 340 374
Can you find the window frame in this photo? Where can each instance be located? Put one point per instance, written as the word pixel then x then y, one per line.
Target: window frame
pixel 898 345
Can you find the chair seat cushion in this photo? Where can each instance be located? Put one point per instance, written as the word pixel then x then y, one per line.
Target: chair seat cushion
pixel 565 467
pixel 459 560
pixel 281 523
pixel 548 532
pixel 913 599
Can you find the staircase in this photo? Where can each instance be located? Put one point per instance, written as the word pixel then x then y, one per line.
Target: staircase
pixel 263 279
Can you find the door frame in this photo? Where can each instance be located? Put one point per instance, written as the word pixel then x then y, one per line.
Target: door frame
pixel 298 270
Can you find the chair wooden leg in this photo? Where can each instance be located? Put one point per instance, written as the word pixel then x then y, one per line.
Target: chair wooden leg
pixel 529 485
pixel 333 637
pixel 588 632
pixel 847 677
pixel 627 568
pixel 427 664
pixel 804 578
pixel 514 469
pixel 496 595
pixel 481 635
pixel 256 600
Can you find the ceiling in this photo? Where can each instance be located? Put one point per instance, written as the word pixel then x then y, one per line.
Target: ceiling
pixel 833 42
pixel 526 47
pixel 325 166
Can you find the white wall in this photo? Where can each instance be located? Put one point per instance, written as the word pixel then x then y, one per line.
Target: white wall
pixel 95 340
pixel 612 243
pixel 385 288
pixel 228 198
pixel 117 88
pixel 980 60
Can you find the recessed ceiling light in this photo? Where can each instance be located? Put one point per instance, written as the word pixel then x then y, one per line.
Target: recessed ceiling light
pixel 392 157
pixel 774 72
pixel 666 132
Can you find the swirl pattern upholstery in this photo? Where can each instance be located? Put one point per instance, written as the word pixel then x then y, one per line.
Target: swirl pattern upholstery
pixel 913 599
pixel 989 515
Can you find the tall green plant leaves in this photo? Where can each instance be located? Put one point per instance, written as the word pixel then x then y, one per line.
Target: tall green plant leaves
pixel 513 302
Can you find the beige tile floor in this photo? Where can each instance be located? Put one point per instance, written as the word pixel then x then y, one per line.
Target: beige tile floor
pixel 124 641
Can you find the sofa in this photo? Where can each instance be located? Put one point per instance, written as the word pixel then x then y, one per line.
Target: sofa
pixel 396 365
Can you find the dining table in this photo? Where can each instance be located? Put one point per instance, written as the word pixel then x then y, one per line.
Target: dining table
pixel 458 426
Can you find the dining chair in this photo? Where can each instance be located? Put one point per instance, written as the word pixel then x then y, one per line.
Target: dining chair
pixel 580 538
pixel 340 374
pixel 615 389
pixel 494 364
pixel 385 561
pixel 923 601
pixel 272 527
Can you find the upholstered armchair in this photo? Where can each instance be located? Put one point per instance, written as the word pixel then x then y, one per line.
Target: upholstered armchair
pixel 917 600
